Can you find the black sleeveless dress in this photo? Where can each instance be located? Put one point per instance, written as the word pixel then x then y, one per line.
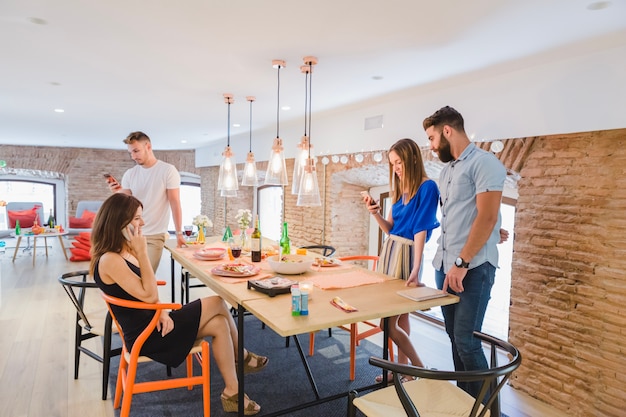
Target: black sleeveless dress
pixel 175 346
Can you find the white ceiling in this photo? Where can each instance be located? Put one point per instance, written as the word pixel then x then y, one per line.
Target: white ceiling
pixel 162 66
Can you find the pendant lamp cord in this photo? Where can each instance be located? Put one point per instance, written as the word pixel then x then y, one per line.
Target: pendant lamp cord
pixel 306 102
pixel 310 94
pixel 228 123
pixel 278 104
pixel 250 150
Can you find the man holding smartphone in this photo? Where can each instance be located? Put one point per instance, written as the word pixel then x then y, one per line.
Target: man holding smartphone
pixel 157 185
pixel 471 185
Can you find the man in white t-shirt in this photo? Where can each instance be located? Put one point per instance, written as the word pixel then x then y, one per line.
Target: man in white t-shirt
pixel 157 185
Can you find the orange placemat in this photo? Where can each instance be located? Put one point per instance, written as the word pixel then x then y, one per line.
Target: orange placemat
pixel 236 280
pixel 345 280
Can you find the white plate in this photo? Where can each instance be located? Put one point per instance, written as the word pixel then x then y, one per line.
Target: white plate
pixel 247 271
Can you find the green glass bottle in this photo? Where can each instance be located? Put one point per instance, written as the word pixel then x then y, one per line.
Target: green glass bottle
pixel 18 229
pixel 255 244
pixel 285 243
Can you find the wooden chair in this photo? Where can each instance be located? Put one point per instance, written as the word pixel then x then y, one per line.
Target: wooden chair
pixel 129 360
pixel 355 335
pixel 432 394
pixel 90 323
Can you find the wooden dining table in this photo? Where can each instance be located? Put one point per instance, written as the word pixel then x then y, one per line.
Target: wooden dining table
pixel 378 299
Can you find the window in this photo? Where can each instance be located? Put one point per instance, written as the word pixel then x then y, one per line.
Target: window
pixel 270 203
pixel 24 190
pixel 190 199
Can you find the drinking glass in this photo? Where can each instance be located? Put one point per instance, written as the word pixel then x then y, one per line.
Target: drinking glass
pixel 188 231
pixel 235 246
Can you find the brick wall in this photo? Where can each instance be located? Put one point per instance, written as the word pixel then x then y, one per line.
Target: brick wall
pixel 568 294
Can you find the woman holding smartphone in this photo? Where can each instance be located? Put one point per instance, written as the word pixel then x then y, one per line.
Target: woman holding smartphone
pixel 409 225
pixel 121 268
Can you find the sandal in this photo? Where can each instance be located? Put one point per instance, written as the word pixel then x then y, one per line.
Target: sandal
pixel 261 361
pixel 231 405
pixel 379 378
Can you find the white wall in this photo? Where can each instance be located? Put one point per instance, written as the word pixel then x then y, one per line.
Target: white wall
pixel 579 90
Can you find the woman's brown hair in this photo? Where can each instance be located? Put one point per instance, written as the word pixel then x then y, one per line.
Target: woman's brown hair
pixel 412 166
pixel 114 215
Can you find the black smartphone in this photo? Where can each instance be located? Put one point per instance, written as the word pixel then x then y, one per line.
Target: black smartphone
pixel 367 194
pixel 110 178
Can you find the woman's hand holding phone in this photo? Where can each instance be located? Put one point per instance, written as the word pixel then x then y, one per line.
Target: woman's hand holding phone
pixel 136 239
pixel 371 204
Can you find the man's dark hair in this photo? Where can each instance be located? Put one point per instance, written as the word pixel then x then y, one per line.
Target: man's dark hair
pixel 445 116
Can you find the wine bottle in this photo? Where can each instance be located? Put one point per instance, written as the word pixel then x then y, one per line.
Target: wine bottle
pixel 51 222
pixel 285 243
pixel 255 242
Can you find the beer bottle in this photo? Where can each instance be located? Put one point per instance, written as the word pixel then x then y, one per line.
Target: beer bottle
pixel 285 243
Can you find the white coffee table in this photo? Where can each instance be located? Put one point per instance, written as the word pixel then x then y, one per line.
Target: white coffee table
pixel 29 233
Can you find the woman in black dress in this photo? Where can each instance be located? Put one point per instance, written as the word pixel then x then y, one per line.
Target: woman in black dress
pixel 121 268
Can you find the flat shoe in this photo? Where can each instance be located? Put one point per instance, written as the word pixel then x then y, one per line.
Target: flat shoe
pixel 231 405
pixel 261 361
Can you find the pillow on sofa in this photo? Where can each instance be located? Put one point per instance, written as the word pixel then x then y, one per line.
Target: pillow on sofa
pixel 88 215
pixel 79 255
pixel 81 245
pixel 26 217
pixel 80 223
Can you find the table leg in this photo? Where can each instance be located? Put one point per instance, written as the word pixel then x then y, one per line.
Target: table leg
pixel 45 241
pixel 34 249
pixel 62 248
pixel 385 348
pixel 173 279
pixel 17 246
pixel 240 376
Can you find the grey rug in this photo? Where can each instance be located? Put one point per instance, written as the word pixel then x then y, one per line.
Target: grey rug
pixel 283 383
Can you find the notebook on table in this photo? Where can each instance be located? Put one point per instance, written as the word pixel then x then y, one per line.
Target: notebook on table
pixel 422 293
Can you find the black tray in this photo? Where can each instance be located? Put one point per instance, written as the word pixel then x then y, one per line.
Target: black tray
pixel 273 290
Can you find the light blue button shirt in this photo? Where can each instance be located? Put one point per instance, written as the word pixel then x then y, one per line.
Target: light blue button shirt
pixel 475 171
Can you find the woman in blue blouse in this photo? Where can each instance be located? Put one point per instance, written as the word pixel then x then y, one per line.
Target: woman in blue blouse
pixel 409 226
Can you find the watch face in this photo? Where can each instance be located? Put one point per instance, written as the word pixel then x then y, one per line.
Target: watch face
pixel 458 262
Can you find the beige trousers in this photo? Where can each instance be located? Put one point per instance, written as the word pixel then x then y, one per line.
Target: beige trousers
pixel 155 249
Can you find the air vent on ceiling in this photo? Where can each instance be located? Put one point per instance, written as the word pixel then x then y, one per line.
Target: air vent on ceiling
pixel 374 122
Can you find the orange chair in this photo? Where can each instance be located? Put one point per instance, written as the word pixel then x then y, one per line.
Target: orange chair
pixel 355 336
pixel 129 360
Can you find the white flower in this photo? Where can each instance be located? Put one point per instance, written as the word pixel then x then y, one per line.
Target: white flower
pixel 202 221
pixel 244 217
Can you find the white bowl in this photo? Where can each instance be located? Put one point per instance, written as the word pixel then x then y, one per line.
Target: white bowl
pixel 290 264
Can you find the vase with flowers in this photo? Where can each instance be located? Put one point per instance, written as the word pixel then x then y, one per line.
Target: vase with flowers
pixel 202 222
pixel 244 218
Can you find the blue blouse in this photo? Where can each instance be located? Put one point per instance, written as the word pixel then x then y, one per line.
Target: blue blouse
pixel 419 214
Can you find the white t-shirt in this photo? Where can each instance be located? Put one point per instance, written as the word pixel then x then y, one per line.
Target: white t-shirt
pixel 150 186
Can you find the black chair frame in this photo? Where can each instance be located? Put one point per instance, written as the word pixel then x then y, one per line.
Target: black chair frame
pixel 493 378
pixel 76 290
pixel 327 250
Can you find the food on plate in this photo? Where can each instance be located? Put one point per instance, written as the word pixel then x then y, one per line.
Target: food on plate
pixel 237 268
pixel 287 258
pixel 325 262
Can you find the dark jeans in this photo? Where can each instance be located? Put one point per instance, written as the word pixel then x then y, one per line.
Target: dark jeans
pixel 463 318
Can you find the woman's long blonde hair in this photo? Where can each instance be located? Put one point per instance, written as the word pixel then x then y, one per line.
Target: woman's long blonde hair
pixel 413 169
pixel 114 215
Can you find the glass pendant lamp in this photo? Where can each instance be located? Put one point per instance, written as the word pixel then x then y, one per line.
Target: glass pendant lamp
pixel 249 171
pixel 305 144
pixel 309 192
pixel 276 173
pixel 227 180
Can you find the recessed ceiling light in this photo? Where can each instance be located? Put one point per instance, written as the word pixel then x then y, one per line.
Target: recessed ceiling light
pixel 183 141
pixel 59 111
pixel 377 77
pixel 236 125
pixel 285 108
pixel 598 5
pixel 37 21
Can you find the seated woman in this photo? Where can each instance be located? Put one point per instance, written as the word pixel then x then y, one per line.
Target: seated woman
pixel 121 268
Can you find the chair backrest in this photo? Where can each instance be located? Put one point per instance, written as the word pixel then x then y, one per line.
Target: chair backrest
pixel 139 305
pixel 326 250
pixel 25 212
pixel 492 379
pixel 373 258
pixel 75 285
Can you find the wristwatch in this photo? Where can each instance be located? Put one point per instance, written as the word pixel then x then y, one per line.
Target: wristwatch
pixel 460 262
pixel 179 233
